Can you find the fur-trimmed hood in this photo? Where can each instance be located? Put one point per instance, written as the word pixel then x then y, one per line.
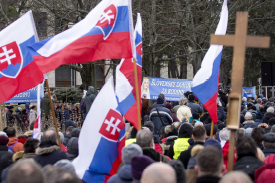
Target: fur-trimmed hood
pixel 17 156
pixel 248 121
pixel 196 149
pixel 46 150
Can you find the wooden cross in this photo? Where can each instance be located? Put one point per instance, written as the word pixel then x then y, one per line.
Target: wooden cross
pixel 239 41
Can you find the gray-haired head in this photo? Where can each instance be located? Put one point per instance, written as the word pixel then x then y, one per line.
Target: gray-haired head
pixel 259 100
pixel 65 165
pixel 144 138
pixel 248 116
pixel 183 101
pixel 270 109
pixel 225 134
pixel 49 136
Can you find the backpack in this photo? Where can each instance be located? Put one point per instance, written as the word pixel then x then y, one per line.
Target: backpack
pixel 11 146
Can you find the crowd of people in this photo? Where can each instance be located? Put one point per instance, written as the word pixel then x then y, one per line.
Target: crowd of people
pixel 178 135
pixel 173 146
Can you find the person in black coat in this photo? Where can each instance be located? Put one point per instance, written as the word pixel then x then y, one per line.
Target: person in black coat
pixel 269 114
pixel 10 117
pixel 5 154
pixel 199 136
pixel 72 148
pixel 247 161
pixel 49 152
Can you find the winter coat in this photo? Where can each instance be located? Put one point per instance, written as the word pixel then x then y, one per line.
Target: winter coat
pixel 193 160
pixel 168 142
pixel 208 179
pixel 175 108
pixel 195 108
pixel 249 124
pixel 267 116
pixel 155 155
pixel 89 99
pixel 67 137
pixel 49 154
pixel 258 122
pixel 24 121
pixel 184 111
pixel 5 158
pixel 72 148
pixel 45 106
pixel 27 107
pixel 268 151
pixel 223 97
pixel 225 153
pixel 166 116
pixel 186 155
pixel 33 116
pixel 82 105
pixel 17 147
pixel 257 106
pixel 267 130
pixel 10 118
pixel 248 165
pixel 29 156
pixel 18 116
pixel 124 175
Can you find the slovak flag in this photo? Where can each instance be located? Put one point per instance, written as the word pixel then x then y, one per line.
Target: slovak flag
pixel 206 80
pixel 101 139
pixel 105 33
pixel 125 80
pixel 18 72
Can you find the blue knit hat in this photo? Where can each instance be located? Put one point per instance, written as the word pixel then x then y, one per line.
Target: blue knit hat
pixel 259 115
pixel 160 100
pixel 213 142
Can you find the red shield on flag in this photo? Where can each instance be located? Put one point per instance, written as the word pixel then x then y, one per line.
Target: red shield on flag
pixel 107 21
pixel 10 60
pixel 112 125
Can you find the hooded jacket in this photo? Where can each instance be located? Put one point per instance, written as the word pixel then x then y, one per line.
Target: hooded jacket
pixel 18 116
pixel 185 131
pixel 72 148
pixel 164 113
pixel 155 155
pixel 267 116
pixel 124 175
pixel 89 99
pixel 168 142
pixel 249 124
pixel 49 154
pixel 17 147
pixel 195 108
pixel 5 158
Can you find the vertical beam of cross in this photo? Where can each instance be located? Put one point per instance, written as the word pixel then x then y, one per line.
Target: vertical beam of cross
pixel 239 41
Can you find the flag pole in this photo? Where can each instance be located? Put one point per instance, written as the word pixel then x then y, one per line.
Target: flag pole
pixel 212 127
pixel 137 94
pixel 1 121
pixel 5 120
pixel 54 118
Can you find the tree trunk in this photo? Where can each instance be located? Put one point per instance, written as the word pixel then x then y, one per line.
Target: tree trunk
pixel 183 69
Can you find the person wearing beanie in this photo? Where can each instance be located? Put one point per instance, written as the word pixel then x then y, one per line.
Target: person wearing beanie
pixel 124 174
pixel 247 160
pixel 195 108
pixel 160 100
pixel 258 118
pixel 30 146
pixel 169 106
pixel 72 148
pixel 161 116
pixel 180 170
pixel 138 164
pixel 132 138
pixel 5 154
pixel 181 144
pixel 269 143
pixel 271 122
pixel 65 165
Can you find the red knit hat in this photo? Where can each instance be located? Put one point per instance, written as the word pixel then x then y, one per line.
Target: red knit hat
pixel 22 140
pixel 265 174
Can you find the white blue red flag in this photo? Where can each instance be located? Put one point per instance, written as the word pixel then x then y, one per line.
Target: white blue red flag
pixel 18 72
pixel 101 139
pixel 206 80
pixel 105 33
pixel 36 133
pixel 125 80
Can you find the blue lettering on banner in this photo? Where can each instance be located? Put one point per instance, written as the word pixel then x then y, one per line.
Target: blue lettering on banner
pixel 27 96
pixel 249 91
pixel 173 89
